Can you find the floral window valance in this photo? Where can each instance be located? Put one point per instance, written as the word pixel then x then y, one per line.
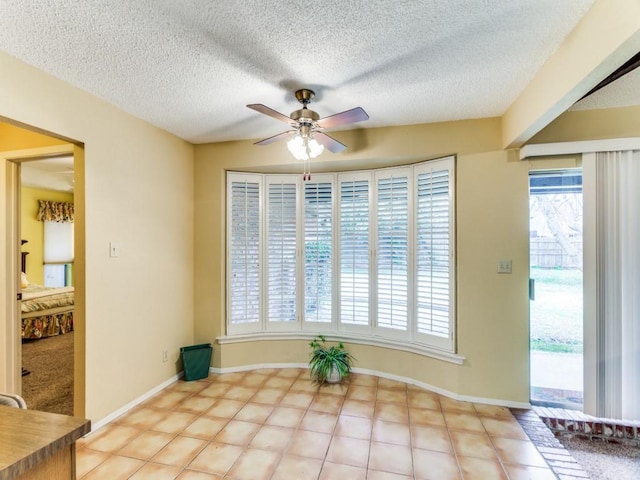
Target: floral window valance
pixel 55 211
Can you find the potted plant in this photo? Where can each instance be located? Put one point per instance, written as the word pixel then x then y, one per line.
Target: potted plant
pixel 328 363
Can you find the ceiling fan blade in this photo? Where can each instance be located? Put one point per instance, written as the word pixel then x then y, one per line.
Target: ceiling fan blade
pixel 258 107
pixel 275 138
pixel 349 116
pixel 329 143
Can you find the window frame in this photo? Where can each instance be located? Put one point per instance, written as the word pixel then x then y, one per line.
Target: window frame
pixel 379 329
pixel 254 326
pixel 448 344
pixel 343 326
pixel 309 325
pixel 410 339
pixel 273 325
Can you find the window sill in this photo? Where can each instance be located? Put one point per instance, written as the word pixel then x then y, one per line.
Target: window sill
pixel 347 338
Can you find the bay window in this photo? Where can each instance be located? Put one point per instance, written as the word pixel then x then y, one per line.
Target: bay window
pixel 358 255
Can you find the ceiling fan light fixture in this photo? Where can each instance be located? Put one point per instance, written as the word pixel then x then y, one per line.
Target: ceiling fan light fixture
pixel 305 123
pixel 304 148
pixel 315 148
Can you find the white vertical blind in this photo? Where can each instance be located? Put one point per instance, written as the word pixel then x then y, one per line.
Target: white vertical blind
pixel 393 250
pixel 318 251
pixel 244 246
pixel 354 251
pixel 281 249
pixel 58 242
pixel 612 284
pixel 433 246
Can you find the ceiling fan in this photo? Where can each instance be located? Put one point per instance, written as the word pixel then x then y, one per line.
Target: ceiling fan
pixel 306 138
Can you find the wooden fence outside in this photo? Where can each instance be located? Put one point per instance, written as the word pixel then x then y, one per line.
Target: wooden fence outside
pixel 546 252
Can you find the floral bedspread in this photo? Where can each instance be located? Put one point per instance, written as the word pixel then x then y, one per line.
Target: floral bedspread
pixel 37 297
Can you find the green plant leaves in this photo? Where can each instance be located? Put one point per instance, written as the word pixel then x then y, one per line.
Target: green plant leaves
pixel 324 359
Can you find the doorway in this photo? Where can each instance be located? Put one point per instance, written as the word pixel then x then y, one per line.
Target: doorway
pixel 20 146
pixel 556 273
pixel 47 190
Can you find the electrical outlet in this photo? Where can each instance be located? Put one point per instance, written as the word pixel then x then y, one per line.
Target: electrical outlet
pixel 165 355
pixel 504 266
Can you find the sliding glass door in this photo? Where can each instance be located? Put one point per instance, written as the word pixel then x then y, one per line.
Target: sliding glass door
pixel 556 317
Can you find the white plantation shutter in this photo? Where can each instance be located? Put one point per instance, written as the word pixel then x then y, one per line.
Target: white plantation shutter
pixel 281 251
pixel 318 250
pixel 370 253
pixel 434 247
pixel 243 237
pixel 354 250
pixel 393 249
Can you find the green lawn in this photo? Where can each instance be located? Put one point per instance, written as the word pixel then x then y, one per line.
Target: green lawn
pixel 556 313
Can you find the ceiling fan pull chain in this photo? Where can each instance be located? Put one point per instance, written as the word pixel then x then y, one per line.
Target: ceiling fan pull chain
pixel 309 169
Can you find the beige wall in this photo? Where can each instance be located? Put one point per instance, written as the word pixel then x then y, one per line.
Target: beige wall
pixel 138 191
pixel 163 201
pixel 492 224
pixel 581 125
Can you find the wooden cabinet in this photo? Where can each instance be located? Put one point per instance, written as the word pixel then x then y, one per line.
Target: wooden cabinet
pixel 37 445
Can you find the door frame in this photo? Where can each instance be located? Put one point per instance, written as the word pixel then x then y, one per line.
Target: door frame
pixel 11 361
pixel 542 169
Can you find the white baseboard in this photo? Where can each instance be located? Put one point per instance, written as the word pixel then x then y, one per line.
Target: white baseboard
pixel 134 403
pixel 444 392
pixel 407 380
pixel 245 368
pixel 410 381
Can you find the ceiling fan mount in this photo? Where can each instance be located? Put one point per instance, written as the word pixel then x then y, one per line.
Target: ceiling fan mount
pixel 304 96
pixel 307 124
pixel 304 115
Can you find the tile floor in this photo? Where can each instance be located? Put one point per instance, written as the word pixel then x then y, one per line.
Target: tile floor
pixel 273 424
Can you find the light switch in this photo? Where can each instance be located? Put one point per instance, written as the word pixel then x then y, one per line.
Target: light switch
pixel 504 266
pixel 114 249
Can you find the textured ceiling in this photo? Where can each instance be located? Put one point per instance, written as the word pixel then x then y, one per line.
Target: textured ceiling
pixel 192 66
pixel 53 174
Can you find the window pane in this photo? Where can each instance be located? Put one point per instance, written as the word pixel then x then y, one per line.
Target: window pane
pixel 317 251
pixel 433 253
pixel 245 252
pixel 393 231
pixel 354 252
pixel 281 249
pixel 280 244
pixel 55 275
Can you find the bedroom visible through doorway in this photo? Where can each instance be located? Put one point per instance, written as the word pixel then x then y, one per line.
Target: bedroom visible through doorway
pixel 23 146
pixel 556 320
pixel 47 324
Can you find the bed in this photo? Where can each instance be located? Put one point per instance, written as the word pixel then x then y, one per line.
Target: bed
pixel 46 311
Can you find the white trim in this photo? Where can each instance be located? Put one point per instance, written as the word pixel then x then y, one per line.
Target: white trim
pixel 95 426
pixel 10 380
pixel 125 408
pixel 398 378
pixel 591 375
pixel 246 368
pixel 587 146
pixel 247 178
pixel 349 338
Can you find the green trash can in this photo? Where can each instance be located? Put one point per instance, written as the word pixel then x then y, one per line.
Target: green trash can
pixel 196 360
